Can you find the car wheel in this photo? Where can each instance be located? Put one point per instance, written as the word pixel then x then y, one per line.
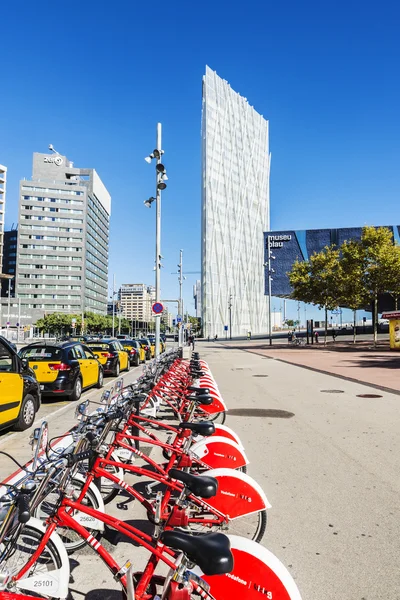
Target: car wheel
pixel 128 365
pixel 100 379
pixel 77 391
pixel 116 370
pixel 26 414
pixel 137 360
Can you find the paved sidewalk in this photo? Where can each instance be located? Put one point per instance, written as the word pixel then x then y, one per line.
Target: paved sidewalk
pixel 328 462
pixel 378 367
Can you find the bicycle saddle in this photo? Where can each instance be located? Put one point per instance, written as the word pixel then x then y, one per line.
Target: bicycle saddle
pixel 202 399
pixel 205 428
pixel 204 487
pixel 198 390
pixel 211 552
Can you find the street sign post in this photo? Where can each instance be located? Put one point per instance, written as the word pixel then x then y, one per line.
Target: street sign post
pixel 179 318
pixel 157 308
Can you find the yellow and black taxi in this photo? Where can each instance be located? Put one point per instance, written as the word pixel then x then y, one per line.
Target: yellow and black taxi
pixel 19 390
pixel 111 354
pixel 152 340
pixel 135 351
pixel 63 368
pixel 146 345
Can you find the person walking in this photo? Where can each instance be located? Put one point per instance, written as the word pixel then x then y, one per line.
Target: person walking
pixel 249 335
pixel 193 338
pixel 316 337
pixel 289 336
pixel 216 337
pixel 334 335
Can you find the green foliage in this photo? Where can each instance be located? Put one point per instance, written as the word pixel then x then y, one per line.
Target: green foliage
pixel 290 322
pixel 352 275
pixel 315 281
pixel 61 324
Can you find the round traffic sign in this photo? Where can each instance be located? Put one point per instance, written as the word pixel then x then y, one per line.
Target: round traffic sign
pixel 157 308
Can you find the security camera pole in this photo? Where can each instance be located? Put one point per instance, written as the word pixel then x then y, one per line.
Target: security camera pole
pixel 158 236
pixel 270 271
pixel 161 177
pixel 180 330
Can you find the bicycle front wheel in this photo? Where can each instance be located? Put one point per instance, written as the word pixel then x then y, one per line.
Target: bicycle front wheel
pixel 250 526
pixel 71 540
pixel 49 562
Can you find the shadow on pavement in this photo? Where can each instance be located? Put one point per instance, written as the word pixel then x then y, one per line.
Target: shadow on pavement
pixel 379 362
pixel 271 413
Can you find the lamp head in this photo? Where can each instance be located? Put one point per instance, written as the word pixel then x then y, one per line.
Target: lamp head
pixel 149 202
pixel 160 168
pixel 161 185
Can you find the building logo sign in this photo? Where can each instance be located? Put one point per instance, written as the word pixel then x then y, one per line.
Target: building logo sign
pixel 57 160
pixel 276 241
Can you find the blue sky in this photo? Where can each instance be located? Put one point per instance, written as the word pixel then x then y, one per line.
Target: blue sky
pixel 94 82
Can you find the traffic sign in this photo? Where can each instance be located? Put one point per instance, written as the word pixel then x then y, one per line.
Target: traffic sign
pixel 338 311
pixel 179 318
pixel 157 308
pixel 17 324
pixel 226 328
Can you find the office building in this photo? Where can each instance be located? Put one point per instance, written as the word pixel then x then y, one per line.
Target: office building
pixel 62 260
pixel 3 186
pixel 136 300
pixel 166 319
pixel 235 210
pixel 9 261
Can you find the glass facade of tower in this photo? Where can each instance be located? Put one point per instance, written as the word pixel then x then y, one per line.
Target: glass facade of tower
pixel 235 210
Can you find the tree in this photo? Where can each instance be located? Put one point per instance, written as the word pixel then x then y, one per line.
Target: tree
pixel 380 260
pixel 352 290
pixel 317 280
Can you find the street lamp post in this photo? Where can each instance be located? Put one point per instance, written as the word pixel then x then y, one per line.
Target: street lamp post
pixel 230 316
pixel 161 177
pixel 270 271
pixel 113 307
pixel 180 269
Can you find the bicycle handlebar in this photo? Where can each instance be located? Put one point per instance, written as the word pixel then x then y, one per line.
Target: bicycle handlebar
pixel 24 513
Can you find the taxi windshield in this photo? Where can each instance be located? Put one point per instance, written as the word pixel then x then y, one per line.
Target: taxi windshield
pixel 41 353
pixel 97 347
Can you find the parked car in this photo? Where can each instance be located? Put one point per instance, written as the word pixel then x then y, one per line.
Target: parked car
pixel 19 390
pixel 136 353
pixel 152 340
pixel 111 354
pixel 145 343
pixel 63 368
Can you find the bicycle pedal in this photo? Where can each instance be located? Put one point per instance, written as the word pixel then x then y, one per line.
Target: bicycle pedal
pixel 122 506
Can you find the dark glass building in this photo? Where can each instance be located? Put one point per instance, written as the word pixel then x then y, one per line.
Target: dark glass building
pixel 289 246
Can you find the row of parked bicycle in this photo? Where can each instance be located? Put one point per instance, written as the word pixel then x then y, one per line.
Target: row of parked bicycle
pixel 207 514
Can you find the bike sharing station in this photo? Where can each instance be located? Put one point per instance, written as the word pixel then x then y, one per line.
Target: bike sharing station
pixel 205 524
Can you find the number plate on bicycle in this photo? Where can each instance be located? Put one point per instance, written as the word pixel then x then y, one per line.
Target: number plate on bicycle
pixel 200 582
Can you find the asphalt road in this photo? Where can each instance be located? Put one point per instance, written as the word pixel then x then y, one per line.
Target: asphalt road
pixel 328 462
